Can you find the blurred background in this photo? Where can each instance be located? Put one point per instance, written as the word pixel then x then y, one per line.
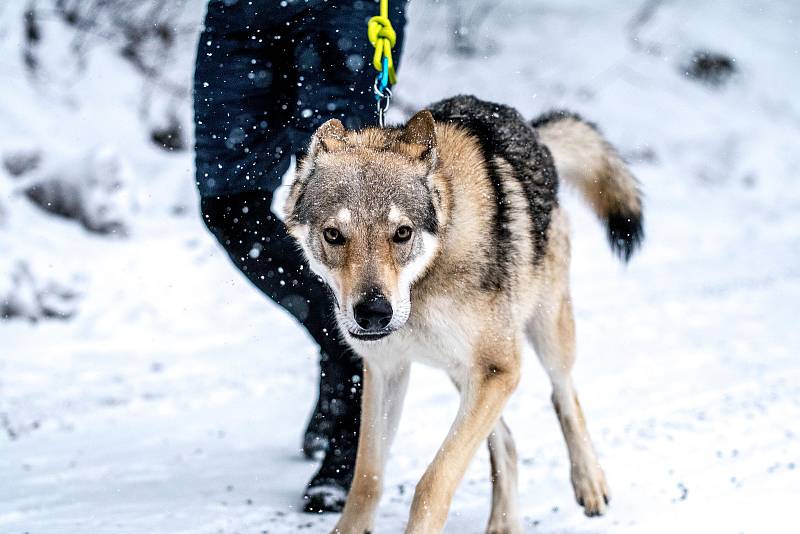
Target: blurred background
pixel 146 387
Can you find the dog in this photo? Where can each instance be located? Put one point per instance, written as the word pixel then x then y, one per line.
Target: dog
pixel 443 242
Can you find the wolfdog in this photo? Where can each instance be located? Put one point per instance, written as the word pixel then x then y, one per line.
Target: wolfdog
pixel 443 242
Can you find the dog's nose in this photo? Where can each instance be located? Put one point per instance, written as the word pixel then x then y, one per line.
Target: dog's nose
pixel 373 312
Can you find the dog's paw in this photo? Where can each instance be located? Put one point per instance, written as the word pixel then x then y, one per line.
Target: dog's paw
pixel 591 489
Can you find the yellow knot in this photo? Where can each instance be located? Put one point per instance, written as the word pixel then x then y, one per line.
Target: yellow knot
pixel 382 36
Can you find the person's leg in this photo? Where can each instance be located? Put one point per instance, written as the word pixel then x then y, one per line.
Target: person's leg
pixel 245 90
pixel 258 245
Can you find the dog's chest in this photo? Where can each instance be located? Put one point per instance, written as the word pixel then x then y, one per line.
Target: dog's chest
pixel 438 336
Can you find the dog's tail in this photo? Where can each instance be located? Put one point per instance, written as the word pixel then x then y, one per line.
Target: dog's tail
pixel 585 159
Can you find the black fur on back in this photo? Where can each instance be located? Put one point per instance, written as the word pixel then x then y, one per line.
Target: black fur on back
pixel 498 273
pixel 501 131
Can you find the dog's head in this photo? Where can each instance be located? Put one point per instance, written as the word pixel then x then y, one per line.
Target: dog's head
pixel 366 212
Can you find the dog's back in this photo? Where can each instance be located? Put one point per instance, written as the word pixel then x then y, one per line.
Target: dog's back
pixel 506 233
pixel 503 135
pixel 556 145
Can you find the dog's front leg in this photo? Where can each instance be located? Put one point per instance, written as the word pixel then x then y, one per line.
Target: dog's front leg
pixel 382 402
pixel 491 378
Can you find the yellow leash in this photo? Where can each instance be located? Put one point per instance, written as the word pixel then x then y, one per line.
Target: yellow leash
pixel 382 36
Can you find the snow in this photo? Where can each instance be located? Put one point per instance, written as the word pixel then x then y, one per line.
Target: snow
pixel 175 397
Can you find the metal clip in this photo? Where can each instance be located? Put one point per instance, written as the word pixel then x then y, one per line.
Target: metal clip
pixel 383 99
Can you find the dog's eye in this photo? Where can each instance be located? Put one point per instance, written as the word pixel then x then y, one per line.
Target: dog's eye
pixel 333 236
pixel 402 234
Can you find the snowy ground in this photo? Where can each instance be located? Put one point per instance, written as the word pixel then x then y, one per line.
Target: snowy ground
pixel 174 400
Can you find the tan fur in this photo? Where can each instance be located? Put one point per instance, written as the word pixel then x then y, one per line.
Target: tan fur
pixel 475 335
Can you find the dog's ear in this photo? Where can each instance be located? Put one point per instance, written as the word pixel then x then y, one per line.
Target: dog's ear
pixel 419 134
pixel 329 137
